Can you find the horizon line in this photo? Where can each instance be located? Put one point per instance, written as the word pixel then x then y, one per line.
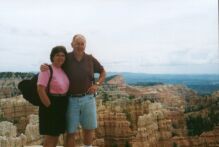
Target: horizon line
pixel 124 72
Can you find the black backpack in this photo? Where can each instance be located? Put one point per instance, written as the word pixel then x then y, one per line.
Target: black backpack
pixel 29 91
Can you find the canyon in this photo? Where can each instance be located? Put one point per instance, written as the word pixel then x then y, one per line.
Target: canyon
pixel 137 116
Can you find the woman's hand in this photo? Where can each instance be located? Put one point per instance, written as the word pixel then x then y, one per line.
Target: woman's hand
pixel 43 95
pixel 46 103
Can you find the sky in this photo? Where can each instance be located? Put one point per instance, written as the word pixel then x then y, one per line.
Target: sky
pixel 143 36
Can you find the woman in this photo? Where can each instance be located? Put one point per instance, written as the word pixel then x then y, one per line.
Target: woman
pixel 52 112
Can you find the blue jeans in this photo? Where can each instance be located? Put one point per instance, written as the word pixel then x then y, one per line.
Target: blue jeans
pixel 81 110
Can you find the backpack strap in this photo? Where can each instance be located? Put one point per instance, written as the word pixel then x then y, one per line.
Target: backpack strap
pixel 50 79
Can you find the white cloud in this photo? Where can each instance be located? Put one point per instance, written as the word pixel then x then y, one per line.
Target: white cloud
pixel 124 35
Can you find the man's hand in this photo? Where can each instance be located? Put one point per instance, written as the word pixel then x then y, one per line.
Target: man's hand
pixel 44 67
pixel 93 89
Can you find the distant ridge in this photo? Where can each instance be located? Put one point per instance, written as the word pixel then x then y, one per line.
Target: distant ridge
pixel 108 78
pixel 202 83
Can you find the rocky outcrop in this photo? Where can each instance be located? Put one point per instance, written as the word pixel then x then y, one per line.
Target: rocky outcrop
pixel 117 80
pixel 99 142
pixel 8 135
pixel 215 94
pixel 7 129
pixel 134 91
pixel 9 82
pixel 32 130
pixel 172 98
pixel 113 127
pixel 9 88
pixel 17 110
pixel 206 139
pixel 137 122
pixel 154 128
pixel 152 116
pixel 211 138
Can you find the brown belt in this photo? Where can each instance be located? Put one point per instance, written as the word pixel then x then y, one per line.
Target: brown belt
pixel 79 95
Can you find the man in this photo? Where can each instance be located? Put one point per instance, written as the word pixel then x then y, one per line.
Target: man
pixel 80 68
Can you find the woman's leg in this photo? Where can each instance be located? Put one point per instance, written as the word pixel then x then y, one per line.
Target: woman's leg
pixel 50 141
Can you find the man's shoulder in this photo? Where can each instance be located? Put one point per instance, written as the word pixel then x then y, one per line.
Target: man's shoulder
pixel 69 53
pixel 88 56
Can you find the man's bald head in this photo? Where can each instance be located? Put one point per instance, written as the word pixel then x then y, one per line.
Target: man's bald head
pixel 78 43
pixel 78 36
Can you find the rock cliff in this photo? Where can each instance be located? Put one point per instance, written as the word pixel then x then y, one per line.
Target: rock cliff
pixel 151 116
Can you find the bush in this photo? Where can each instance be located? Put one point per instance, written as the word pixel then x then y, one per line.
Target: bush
pixel 197 125
pixel 175 144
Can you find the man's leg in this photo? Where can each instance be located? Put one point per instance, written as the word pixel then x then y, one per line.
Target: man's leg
pixel 88 119
pixel 72 120
pixel 70 140
pixel 50 141
pixel 88 137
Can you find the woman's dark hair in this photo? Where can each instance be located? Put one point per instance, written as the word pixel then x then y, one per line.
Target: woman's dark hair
pixel 56 50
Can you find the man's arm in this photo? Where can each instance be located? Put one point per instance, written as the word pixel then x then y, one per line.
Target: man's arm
pixel 101 78
pixel 44 67
pixel 94 88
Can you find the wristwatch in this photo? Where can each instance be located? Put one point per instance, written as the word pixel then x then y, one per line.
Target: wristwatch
pixel 97 83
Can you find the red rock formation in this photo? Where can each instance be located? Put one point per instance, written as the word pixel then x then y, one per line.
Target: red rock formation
pixel 17 109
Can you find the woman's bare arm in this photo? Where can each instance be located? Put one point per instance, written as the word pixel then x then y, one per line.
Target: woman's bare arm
pixel 43 95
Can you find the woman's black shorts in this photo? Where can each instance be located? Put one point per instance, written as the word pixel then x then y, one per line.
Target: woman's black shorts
pixel 52 120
